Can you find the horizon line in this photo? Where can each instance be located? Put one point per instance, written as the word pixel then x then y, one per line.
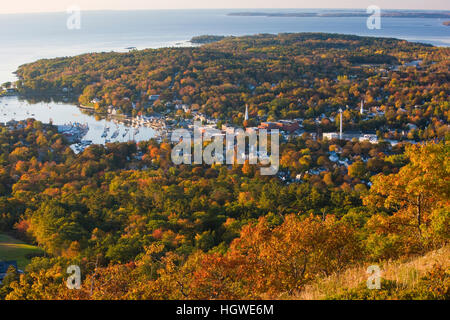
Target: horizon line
pixel 193 9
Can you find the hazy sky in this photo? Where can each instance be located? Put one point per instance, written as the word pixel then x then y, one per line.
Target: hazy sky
pixel 13 6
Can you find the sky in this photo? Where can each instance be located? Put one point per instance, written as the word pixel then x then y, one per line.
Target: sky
pixel 21 6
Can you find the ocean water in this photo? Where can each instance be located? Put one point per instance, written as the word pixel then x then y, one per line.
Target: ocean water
pixel 28 37
pixel 13 108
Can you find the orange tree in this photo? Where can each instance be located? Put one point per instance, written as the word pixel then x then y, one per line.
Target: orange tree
pixel 415 202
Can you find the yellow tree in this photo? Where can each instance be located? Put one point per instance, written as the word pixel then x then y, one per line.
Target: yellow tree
pixel 417 198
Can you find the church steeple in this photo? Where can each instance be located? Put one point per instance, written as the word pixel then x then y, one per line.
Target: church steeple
pixel 246 113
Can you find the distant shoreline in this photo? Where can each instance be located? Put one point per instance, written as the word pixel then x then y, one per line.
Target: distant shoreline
pixel 386 14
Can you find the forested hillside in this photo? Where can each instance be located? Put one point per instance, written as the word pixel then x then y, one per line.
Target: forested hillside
pixel 141 227
pixel 162 231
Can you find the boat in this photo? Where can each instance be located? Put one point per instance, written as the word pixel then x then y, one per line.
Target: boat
pixel 105 132
pixel 115 134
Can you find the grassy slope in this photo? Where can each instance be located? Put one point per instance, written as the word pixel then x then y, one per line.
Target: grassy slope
pixel 13 249
pixel 405 273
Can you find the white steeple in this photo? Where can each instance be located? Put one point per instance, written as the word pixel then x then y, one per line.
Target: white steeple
pixel 246 112
pixel 340 120
pixel 361 111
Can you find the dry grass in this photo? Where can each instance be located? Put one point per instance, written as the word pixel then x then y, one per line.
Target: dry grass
pixel 405 273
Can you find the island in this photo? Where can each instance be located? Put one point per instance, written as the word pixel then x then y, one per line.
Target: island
pixel 344 14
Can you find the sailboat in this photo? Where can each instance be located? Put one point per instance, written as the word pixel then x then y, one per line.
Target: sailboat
pixel 115 134
pixel 126 131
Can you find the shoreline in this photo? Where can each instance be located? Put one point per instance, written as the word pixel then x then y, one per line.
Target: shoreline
pixel 437 41
pixel 438 14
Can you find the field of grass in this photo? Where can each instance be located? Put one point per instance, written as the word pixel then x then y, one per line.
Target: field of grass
pixel 13 249
pixel 405 273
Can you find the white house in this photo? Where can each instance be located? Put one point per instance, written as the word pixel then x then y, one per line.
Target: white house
pixel 330 135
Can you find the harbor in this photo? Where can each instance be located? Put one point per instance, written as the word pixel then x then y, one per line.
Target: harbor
pixel 80 127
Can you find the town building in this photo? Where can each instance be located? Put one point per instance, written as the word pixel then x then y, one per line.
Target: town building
pixel 285 125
